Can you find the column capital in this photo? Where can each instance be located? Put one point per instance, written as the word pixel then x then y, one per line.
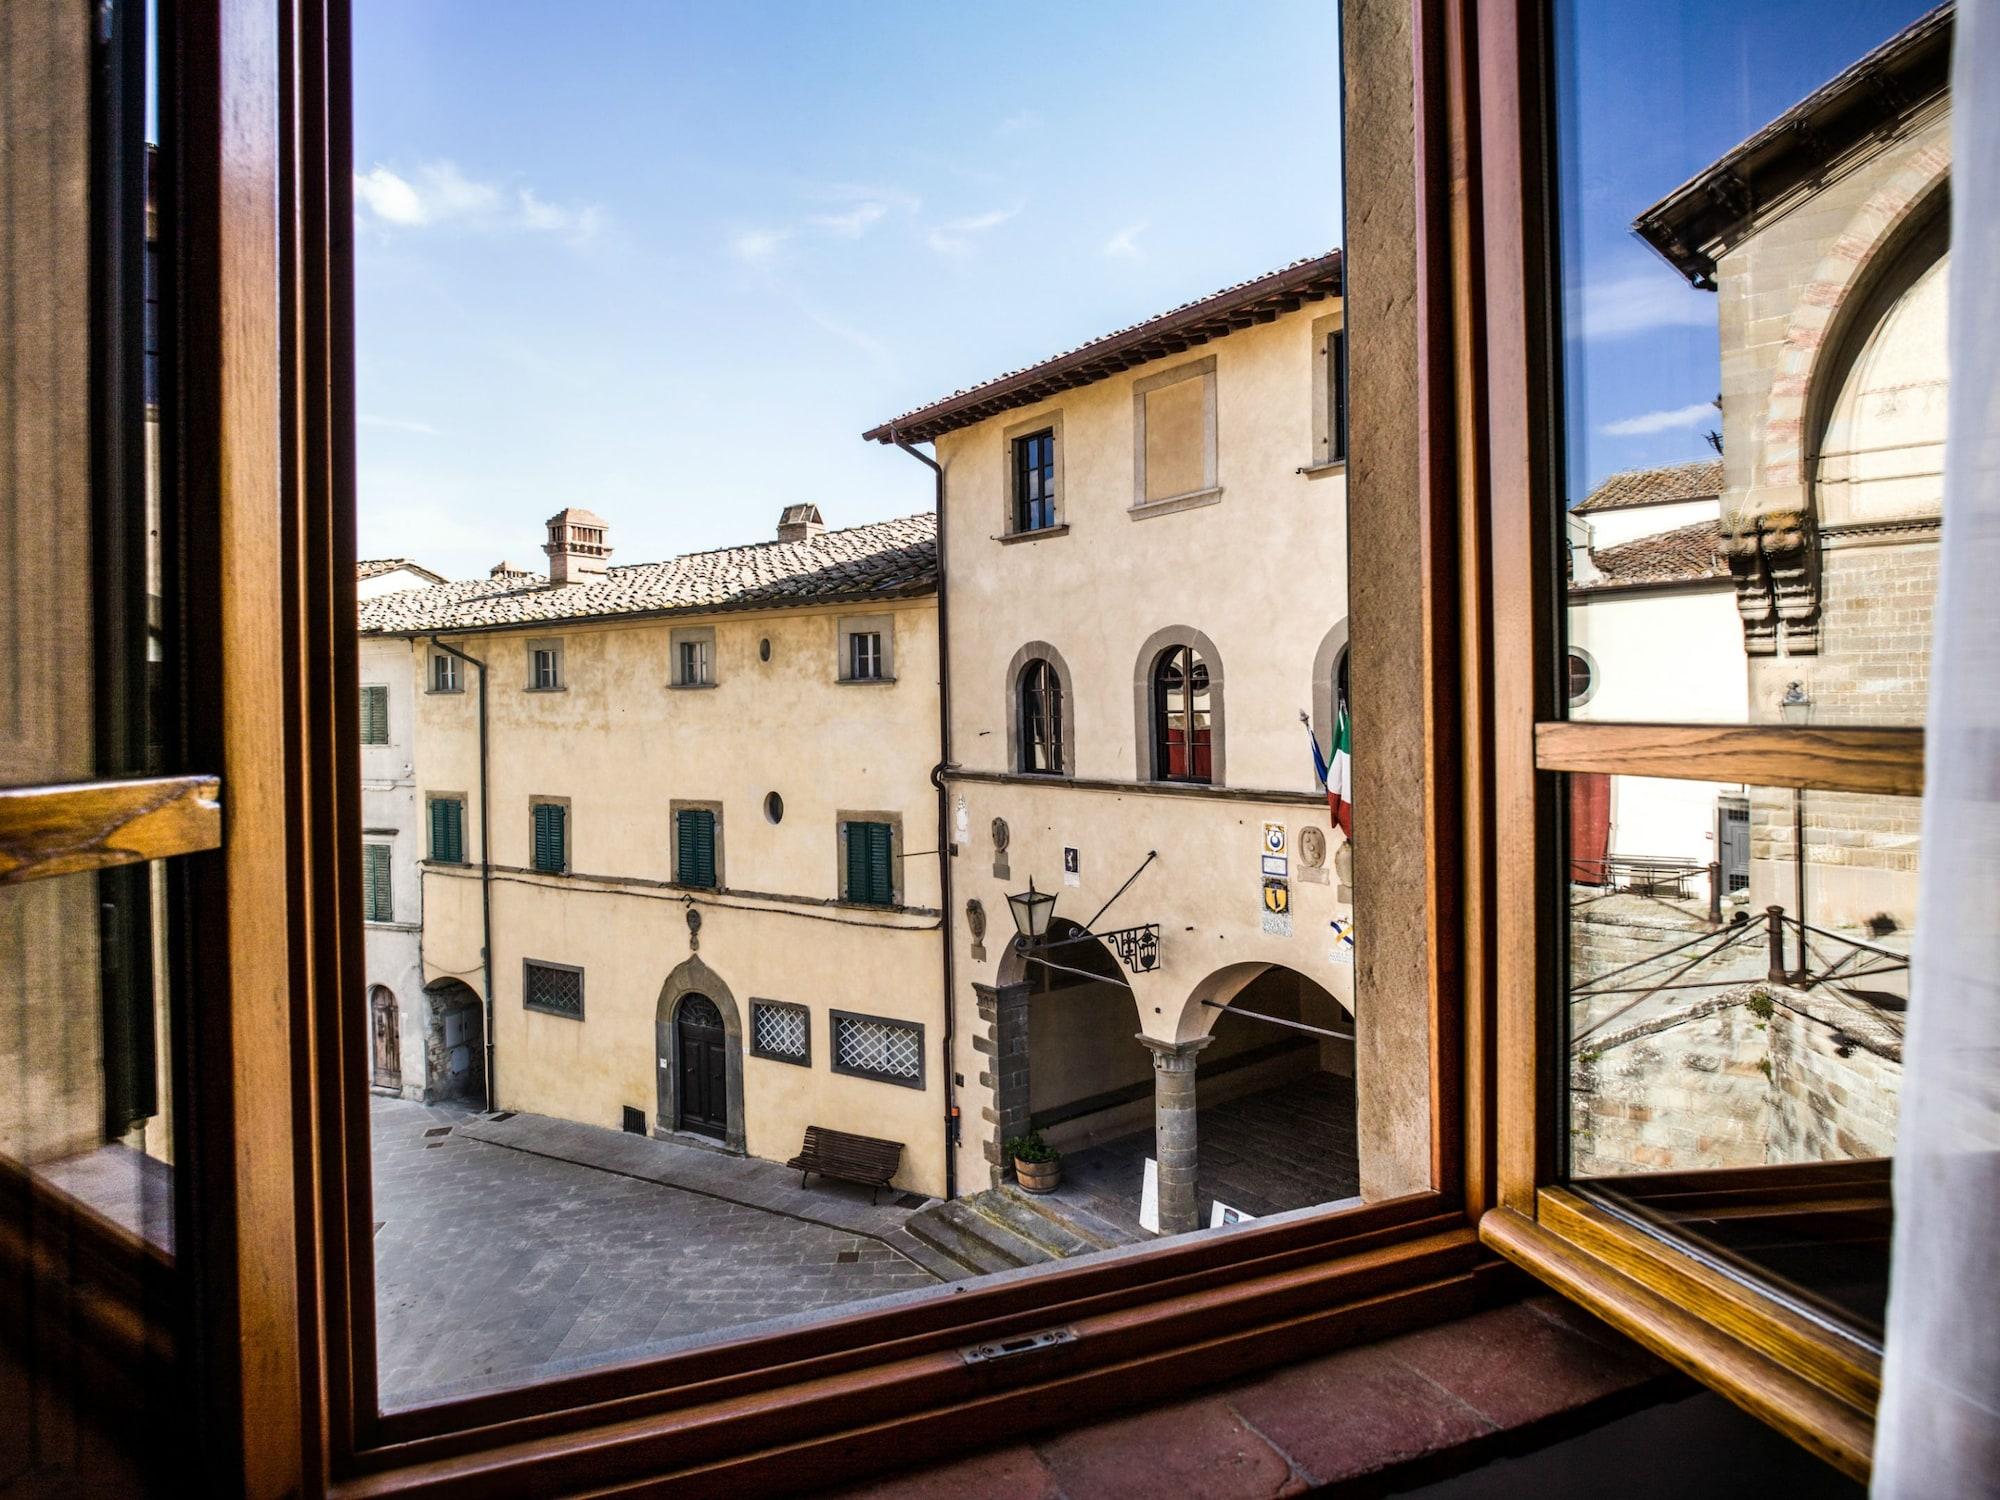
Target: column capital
pixel 1175 1057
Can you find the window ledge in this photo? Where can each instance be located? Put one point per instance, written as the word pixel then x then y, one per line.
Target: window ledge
pixel 1040 533
pixel 864 681
pixel 690 687
pixel 1192 500
pixel 563 689
pixel 444 692
pixel 1321 470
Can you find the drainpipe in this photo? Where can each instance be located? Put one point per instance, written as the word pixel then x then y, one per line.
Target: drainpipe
pixel 485 862
pixel 945 847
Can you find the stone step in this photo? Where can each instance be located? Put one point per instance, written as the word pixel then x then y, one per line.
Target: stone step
pixel 1096 1232
pixel 1004 1241
pixel 970 1240
pixel 940 1263
pixel 1046 1232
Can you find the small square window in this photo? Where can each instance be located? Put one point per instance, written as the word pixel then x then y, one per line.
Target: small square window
pixel 864 656
pixel 781 1032
pixel 545 667
pixel 694 662
pixel 445 673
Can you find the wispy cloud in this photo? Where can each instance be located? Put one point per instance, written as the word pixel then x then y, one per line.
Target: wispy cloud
pixel 397 424
pixel 955 236
pixel 438 193
pixel 851 225
pixel 1662 421
pixel 757 245
pixel 1641 302
pixel 1016 123
pixel 1124 245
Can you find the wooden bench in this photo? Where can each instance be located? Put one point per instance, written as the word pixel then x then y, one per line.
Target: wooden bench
pixel 852 1158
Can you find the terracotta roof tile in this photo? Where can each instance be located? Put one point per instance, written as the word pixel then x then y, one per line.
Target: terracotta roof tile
pixel 1236 306
pixel 375 567
pixel 884 560
pixel 1700 480
pixel 1687 554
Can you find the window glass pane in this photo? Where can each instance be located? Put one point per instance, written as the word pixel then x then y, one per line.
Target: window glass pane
pixel 1754 253
pixel 858 976
pixel 1735 1019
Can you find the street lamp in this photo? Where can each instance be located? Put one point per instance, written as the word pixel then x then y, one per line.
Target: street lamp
pixel 1796 705
pixel 1032 910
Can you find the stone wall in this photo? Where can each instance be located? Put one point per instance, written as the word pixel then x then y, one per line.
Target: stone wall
pixel 1762 1075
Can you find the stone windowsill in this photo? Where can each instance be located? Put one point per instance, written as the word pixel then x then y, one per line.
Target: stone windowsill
pixel 865 681
pixel 690 687
pixel 1450 1396
pixel 1040 533
pixel 1194 499
pixel 1322 469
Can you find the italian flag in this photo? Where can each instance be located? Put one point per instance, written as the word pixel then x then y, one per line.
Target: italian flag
pixel 1337 778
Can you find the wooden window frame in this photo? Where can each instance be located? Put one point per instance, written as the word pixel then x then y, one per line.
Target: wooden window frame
pixel 280 1347
pixel 1809 1378
pixel 1019 470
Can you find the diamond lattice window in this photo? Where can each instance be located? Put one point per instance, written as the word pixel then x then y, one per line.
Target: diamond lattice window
pixel 558 991
pixel 779 1031
pixel 879 1049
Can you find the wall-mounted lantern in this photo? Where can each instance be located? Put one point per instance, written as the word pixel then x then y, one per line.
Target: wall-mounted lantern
pixel 1032 910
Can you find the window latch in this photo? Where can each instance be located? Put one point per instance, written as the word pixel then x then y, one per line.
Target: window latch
pixel 1020 1343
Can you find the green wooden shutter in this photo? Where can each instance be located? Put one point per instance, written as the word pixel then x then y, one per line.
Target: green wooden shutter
pixel 377 904
pixel 549 818
pixel 870 872
pixel 448 830
pixel 694 832
pixel 374 716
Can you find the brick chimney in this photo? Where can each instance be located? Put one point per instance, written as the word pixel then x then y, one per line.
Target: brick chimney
pixel 799 522
pixel 576 548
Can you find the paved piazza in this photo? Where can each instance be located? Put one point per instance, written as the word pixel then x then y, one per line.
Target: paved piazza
pixel 496 1265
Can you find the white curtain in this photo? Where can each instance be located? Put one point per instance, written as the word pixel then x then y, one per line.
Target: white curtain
pixel 1938 1430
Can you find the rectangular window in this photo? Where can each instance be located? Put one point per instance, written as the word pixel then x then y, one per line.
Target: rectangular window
pixel 377 902
pixel 873 1047
pixel 693 666
pixel 864 656
pixel 781 1032
pixel 445 673
pixel 1035 481
pixel 871 864
pixel 551 837
pixel 694 848
pixel 554 989
pixel 1174 442
pixel 375 715
pixel 545 668
pixel 1336 397
pixel 448 830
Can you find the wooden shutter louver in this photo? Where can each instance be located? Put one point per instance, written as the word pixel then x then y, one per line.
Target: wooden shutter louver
pixel 695 835
pixel 870 874
pixel 374 716
pixel 448 830
pixel 549 819
pixel 376 901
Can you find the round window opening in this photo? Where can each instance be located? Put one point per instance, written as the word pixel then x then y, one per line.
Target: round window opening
pixel 774 807
pixel 764 649
pixel 1582 677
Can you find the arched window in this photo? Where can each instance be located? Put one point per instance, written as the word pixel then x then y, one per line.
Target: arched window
pixel 1181 716
pixel 1040 719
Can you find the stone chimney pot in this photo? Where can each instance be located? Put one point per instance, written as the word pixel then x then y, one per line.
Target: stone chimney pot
pixel 577 546
pixel 799 522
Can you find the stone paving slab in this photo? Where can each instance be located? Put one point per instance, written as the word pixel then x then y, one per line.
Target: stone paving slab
pixel 497 1265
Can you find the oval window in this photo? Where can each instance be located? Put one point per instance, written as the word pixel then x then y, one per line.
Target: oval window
pixel 774 807
pixel 764 649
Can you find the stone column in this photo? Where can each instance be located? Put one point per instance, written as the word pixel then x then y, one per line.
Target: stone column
pixel 1176 1144
pixel 1004 1045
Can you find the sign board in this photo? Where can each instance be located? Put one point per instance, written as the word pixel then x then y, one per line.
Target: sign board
pixel 1072 867
pixel 1276 864
pixel 1274 838
pixel 1149 1198
pixel 1343 940
pixel 1277 913
pixel 1220 1213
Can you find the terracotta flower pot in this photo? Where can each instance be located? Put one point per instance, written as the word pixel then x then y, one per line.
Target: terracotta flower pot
pixel 1039 1176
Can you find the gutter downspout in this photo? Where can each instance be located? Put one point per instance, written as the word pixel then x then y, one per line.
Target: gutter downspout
pixel 946 849
pixel 485 863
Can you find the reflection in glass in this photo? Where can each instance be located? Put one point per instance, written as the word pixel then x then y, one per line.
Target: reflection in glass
pixel 1735 1017
pixel 1754 314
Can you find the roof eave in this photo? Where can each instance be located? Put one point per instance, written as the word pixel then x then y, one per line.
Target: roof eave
pixel 675 611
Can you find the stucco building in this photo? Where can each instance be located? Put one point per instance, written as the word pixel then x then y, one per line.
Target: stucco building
pixel 1145 550
pixel 691 803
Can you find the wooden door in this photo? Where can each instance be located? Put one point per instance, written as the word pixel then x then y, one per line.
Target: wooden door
pixel 387 1032
pixel 704 1067
pixel 1589 827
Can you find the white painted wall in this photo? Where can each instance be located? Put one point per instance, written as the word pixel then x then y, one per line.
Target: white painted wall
pixel 1613 528
pixel 392 952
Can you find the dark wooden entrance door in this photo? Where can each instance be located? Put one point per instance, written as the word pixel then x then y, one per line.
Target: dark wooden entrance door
pixel 388 1038
pixel 704 1068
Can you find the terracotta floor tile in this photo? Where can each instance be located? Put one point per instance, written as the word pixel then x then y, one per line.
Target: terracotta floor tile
pixel 1515 1366
pixel 1354 1413
pixel 1194 1449
pixel 1003 1474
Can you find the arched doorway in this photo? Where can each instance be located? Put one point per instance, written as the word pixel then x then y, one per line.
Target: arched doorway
pixel 1085 1071
pixel 386 1038
pixel 698 1038
pixel 454 1044
pixel 703 1051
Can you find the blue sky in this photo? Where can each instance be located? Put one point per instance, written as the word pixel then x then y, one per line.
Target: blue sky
pixel 1659 92
pixel 668 260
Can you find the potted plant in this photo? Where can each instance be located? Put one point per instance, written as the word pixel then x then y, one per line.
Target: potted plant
pixel 1037 1164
